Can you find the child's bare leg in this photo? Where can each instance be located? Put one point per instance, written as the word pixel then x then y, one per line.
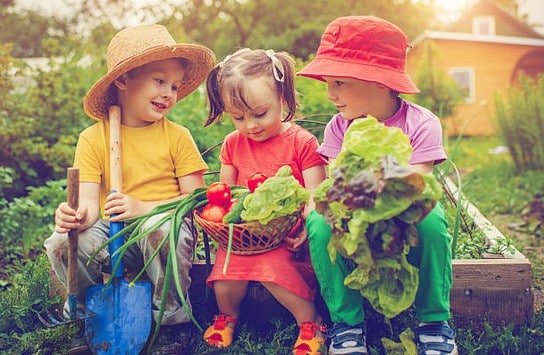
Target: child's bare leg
pixel 311 337
pixel 229 294
pixel 302 309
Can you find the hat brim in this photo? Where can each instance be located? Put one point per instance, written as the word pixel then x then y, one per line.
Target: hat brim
pixel 395 80
pixel 102 94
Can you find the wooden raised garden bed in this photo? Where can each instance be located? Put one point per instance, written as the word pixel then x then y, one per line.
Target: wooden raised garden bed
pixel 495 288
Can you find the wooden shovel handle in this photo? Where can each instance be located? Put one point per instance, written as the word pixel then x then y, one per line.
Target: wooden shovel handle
pixel 72 196
pixel 115 148
pixel 115 185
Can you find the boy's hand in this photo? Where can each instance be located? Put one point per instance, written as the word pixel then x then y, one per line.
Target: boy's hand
pixel 124 206
pixel 67 218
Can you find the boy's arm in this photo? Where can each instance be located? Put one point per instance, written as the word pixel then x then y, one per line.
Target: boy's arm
pixel 125 206
pixel 89 199
pixel 190 182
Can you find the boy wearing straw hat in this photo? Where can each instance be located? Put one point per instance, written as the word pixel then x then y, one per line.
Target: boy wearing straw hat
pixel 148 73
pixel 362 60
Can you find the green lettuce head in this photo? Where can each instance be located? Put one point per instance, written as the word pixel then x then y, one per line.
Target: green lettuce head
pixel 373 201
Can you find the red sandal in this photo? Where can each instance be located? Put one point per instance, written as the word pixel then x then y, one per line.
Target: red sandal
pixel 220 334
pixel 309 341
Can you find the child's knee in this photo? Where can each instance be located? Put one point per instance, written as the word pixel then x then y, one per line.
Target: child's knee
pixel 56 246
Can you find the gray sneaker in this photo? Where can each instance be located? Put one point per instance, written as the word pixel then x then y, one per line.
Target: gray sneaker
pixel 347 339
pixel 436 338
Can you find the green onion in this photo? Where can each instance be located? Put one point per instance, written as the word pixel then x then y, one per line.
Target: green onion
pixel 229 248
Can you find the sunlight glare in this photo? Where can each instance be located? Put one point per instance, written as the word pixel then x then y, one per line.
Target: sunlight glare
pixel 451 9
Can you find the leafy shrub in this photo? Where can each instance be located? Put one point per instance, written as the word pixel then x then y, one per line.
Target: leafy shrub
pixel 6 178
pixel 510 194
pixel 313 97
pixel 9 67
pixel 26 221
pixel 20 330
pixel 40 123
pixel 521 120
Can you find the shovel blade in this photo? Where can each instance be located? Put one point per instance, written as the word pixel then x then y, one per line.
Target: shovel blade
pixel 122 320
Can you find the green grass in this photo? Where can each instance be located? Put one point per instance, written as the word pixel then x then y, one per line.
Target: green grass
pixel 469 153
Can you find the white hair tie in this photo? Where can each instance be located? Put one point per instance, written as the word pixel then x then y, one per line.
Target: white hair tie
pixel 277 67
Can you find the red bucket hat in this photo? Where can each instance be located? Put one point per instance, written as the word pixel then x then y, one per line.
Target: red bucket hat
pixel 365 48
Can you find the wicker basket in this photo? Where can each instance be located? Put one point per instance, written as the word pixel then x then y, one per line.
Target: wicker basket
pixel 250 238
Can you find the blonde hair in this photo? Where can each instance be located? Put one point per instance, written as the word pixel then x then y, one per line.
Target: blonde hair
pixel 235 69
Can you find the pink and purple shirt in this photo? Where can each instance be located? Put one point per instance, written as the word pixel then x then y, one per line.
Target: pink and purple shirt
pixel 420 125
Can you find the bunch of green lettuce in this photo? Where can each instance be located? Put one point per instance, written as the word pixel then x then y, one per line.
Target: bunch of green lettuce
pixel 373 201
pixel 277 196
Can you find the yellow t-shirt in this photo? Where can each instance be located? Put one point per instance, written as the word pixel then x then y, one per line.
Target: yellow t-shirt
pixel 152 157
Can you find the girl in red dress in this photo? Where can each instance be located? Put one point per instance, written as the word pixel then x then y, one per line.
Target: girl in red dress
pixel 256 89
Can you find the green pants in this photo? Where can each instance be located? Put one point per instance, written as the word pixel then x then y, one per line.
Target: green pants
pixel 432 256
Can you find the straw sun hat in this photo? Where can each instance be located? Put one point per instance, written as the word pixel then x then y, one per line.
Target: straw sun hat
pixel 139 45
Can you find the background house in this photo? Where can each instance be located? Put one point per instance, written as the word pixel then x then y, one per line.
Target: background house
pixel 484 51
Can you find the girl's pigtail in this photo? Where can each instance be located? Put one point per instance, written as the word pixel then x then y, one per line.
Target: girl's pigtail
pixel 288 85
pixel 215 104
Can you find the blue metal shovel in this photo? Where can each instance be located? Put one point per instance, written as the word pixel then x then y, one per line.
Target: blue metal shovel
pixel 122 320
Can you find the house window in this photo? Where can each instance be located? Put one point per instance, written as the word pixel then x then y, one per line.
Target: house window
pixel 465 79
pixel 483 25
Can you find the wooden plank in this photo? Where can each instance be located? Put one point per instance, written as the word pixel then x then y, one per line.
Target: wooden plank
pixel 493 305
pixel 483 289
pixel 496 290
pixel 492 273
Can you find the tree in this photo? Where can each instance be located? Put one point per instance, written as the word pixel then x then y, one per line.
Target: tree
pixel 28 29
pixel 294 26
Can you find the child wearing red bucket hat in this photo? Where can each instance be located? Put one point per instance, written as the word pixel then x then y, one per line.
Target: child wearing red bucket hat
pixel 362 60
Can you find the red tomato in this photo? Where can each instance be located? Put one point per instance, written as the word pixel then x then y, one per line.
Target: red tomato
pixel 255 180
pixel 219 194
pixel 213 213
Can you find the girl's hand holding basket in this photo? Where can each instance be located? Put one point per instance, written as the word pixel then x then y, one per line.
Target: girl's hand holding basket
pixel 256 221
